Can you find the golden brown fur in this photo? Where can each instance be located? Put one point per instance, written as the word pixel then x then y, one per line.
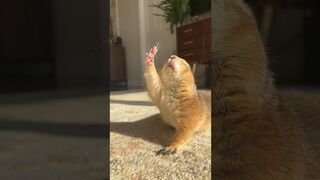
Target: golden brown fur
pixel 175 94
pixel 257 134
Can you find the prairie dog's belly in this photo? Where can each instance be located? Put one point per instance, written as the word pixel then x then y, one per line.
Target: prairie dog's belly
pixel 171 111
pixel 168 111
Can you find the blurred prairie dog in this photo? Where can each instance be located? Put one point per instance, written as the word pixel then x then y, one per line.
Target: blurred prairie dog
pixel 175 94
pixel 258 133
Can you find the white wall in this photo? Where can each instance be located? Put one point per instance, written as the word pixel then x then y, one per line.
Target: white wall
pixel 139 30
pixel 157 30
pixel 128 11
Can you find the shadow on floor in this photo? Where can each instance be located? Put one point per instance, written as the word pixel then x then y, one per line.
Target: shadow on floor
pixel 40 96
pixel 134 103
pixel 151 129
pixel 67 129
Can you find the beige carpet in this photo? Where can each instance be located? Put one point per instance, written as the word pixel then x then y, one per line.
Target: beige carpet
pixel 53 138
pixel 137 132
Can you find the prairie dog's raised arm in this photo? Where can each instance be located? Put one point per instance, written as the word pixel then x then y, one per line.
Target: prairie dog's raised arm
pixel 153 82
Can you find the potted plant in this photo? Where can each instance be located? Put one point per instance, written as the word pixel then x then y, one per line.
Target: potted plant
pixel 174 11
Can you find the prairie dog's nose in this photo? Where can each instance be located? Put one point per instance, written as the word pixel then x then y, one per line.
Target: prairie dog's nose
pixel 173 57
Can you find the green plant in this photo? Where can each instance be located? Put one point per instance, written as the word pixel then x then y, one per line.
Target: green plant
pixel 174 11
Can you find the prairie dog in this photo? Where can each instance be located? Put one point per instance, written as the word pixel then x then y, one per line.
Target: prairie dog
pixel 175 94
pixel 256 132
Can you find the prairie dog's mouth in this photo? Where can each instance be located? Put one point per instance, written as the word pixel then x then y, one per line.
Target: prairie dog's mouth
pixel 172 62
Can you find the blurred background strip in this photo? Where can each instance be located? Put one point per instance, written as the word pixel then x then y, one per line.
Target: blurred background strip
pixel 53 89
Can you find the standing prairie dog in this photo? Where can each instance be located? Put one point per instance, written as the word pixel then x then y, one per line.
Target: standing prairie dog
pixel 175 94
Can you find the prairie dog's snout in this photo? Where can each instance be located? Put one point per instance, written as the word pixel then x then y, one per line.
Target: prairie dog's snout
pixel 171 58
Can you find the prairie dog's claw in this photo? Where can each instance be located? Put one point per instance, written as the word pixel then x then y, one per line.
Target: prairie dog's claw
pixel 166 151
pixel 157 45
pixel 152 53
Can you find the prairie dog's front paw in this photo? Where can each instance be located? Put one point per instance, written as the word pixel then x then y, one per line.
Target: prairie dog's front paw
pixel 151 54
